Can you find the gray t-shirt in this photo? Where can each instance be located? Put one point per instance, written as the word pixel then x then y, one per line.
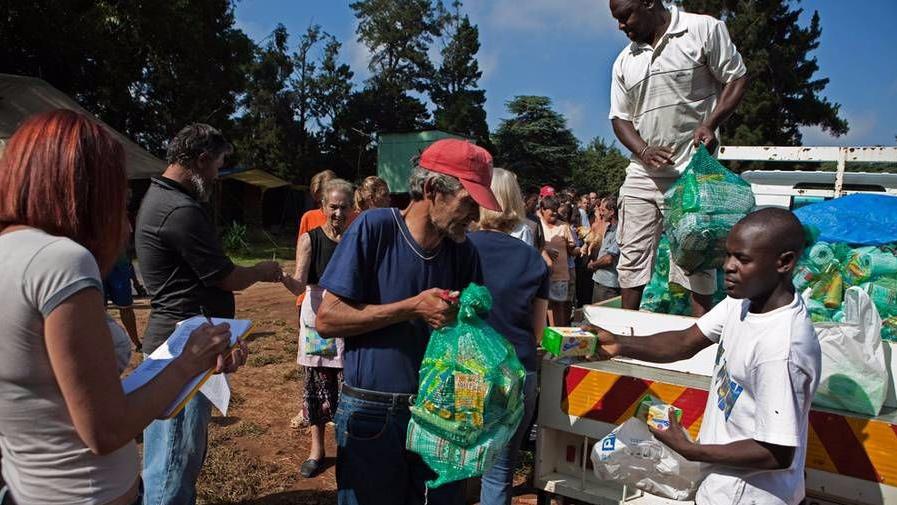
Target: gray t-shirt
pixel 44 459
pixel 607 276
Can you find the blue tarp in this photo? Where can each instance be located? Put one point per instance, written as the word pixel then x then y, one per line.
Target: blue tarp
pixel 861 219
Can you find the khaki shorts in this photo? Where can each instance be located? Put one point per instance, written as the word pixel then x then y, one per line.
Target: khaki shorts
pixel 638 232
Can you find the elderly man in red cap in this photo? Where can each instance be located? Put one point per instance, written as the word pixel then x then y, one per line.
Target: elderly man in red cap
pixel 387 289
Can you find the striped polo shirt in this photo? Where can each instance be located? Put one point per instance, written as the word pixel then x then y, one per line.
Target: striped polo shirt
pixel 668 91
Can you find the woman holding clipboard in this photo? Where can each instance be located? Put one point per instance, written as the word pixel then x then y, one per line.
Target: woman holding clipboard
pixel 67 429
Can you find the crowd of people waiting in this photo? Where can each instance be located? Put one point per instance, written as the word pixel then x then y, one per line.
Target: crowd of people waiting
pixel 371 282
pixel 70 435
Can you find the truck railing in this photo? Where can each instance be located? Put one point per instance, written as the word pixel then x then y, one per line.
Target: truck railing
pixel 840 155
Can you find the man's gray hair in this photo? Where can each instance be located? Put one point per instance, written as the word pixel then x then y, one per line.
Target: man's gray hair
pixel 442 183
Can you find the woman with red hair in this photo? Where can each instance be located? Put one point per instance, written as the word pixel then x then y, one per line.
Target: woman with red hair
pixel 67 429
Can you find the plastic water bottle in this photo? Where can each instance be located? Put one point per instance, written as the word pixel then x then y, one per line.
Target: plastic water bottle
pixel 822 255
pixel 879 263
pixel 883 293
pixel 804 275
pixel 834 295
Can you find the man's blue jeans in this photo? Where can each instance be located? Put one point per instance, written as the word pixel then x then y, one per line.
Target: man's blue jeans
pixel 372 465
pixel 173 454
pixel 498 481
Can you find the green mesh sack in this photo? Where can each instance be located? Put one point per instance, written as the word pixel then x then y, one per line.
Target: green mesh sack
pixel 702 206
pixel 659 294
pixel 452 462
pixel 470 396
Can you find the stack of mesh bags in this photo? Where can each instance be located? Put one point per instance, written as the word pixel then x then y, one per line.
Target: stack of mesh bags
pixel 702 207
pixel 827 269
pixel 665 297
pixel 470 397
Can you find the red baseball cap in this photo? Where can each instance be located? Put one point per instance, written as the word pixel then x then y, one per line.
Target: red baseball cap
pixel 470 163
pixel 546 191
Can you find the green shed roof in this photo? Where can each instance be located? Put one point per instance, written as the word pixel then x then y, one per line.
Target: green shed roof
pixel 396 150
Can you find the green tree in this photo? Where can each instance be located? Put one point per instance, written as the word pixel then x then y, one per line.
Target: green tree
pixel 267 136
pixel 601 167
pixel 332 90
pixel 398 34
pixel 459 104
pixel 332 85
pixel 535 142
pixel 784 92
pixel 146 68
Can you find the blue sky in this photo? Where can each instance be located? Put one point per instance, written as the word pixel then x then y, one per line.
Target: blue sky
pixel 564 49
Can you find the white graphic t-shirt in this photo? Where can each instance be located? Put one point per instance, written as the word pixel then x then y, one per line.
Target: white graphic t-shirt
pixel 765 376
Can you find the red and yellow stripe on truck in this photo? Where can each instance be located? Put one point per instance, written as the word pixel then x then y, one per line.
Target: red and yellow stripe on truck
pixel 840 444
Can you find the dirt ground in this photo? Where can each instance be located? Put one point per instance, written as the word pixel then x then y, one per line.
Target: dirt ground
pixel 253 455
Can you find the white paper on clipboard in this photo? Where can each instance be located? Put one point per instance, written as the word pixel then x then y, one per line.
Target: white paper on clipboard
pixel 215 388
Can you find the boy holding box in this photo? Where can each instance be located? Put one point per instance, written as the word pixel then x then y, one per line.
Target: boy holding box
pixel 754 429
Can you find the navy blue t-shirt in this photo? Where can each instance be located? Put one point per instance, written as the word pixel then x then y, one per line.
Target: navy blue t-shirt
pixel 515 274
pixel 379 262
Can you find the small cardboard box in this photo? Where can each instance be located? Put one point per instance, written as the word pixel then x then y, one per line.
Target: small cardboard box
pixel 655 413
pixel 568 341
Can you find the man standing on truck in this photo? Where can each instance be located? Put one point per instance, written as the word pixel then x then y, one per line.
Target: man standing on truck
pixel 755 422
pixel 671 88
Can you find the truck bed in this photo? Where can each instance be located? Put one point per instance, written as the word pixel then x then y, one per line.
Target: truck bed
pixel 851 458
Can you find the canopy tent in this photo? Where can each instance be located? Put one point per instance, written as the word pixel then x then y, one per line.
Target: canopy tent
pixel 21 97
pixel 254 177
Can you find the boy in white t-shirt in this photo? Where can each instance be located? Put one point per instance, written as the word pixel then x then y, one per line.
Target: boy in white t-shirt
pixel 754 428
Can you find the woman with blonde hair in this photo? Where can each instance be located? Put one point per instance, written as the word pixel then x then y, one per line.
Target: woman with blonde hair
pixel 518 279
pixel 372 193
pixel 512 218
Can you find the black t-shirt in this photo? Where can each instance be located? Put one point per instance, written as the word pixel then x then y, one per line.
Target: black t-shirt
pixel 322 248
pixel 181 260
pixel 516 275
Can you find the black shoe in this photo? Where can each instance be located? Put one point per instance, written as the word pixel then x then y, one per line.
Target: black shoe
pixel 310 468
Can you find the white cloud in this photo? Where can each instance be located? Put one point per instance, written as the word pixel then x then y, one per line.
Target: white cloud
pixel 574 112
pixel 255 31
pixel 540 15
pixel 357 55
pixel 488 62
pixel 863 131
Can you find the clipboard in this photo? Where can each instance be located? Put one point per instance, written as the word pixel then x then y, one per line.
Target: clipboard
pixel 172 347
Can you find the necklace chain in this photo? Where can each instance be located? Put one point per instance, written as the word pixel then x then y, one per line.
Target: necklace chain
pixel 411 242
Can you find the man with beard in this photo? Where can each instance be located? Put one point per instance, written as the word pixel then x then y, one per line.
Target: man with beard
pixel 388 286
pixel 184 268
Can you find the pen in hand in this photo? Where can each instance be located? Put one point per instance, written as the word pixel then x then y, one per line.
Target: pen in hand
pixel 205 314
pixel 232 355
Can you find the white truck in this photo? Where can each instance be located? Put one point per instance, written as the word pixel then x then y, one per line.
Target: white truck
pixel 851 459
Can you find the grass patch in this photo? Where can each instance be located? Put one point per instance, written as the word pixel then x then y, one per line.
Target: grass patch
pixel 230 475
pixel 259 360
pixel 284 249
pixel 237 398
pixel 291 375
pixel 246 429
